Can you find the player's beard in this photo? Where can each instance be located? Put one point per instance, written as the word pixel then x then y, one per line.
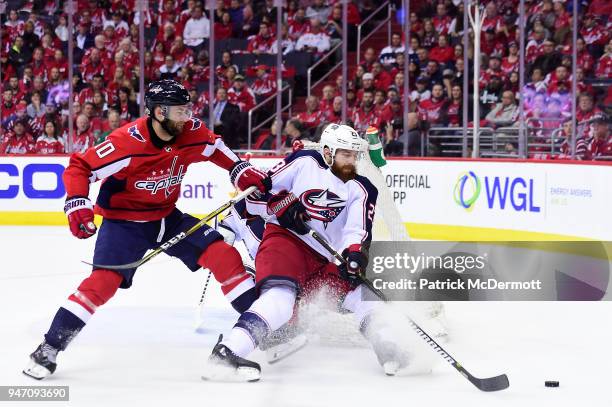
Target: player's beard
pixel 174 128
pixel 345 172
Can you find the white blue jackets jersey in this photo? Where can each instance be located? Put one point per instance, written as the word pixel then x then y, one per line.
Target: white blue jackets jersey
pixel 341 212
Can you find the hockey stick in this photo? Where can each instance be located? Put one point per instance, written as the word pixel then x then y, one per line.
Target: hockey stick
pixel 487 384
pixel 179 237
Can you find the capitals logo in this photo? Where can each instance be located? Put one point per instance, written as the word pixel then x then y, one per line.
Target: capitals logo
pixel 322 205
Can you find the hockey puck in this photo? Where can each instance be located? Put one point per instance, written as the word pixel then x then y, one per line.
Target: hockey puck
pixel 551 383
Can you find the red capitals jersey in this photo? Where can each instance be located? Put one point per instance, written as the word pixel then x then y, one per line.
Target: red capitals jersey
pixel 142 177
pixel 12 144
pixel 49 145
pixel 311 120
pixel 429 110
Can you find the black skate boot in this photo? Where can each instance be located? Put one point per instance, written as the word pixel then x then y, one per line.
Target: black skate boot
pixel 224 365
pixel 42 362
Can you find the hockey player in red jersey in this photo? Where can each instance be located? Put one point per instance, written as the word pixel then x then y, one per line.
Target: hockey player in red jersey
pixel 339 205
pixel 143 164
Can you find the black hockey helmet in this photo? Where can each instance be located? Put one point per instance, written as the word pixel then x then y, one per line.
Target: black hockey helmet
pixel 165 92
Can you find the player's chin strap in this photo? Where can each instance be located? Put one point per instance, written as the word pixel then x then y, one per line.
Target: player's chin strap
pixel 487 384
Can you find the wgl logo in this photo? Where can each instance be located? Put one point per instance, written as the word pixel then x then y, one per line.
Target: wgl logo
pixel 464 198
pixel 516 192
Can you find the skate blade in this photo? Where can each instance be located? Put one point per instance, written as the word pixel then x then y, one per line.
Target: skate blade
pixel 284 350
pixel 391 368
pixel 218 373
pixel 36 371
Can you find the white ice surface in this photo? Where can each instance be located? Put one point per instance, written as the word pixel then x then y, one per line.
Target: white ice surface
pixel 141 348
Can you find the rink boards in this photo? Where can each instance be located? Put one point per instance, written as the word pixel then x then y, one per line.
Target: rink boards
pixel 438 199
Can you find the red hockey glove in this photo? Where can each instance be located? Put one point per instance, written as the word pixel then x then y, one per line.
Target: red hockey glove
pixel 289 211
pixel 80 217
pixel 244 175
pixel 355 265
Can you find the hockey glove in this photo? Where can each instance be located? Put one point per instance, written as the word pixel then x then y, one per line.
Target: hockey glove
pixel 355 264
pixel 244 175
pixel 80 217
pixel 289 211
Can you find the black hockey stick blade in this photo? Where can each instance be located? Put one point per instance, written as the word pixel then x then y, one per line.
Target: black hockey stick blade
pixel 496 383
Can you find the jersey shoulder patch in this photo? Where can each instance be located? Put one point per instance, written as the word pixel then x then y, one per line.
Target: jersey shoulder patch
pixel 195 132
pixel 307 153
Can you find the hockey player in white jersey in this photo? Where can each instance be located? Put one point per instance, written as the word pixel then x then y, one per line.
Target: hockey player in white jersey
pixel 318 190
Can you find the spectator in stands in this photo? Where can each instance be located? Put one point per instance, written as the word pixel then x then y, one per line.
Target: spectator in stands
pixel 430 110
pixel 38 85
pixel 442 53
pixel 299 25
pixel 333 28
pixel 169 69
pixel 287 44
pixel 442 21
pixel 382 80
pixel 99 104
pixel 388 53
pixel 510 63
pixel 367 85
pixel 226 62
pixel 327 99
pixel 265 85
pixel 59 62
pixel 183 56
pixel 97 85
pixel 586 108
pixel 92 66
pixel 594 34
pixel 247 25
pixel 113 122
pixel 452 111
pixel 35 108
pixel 604 65
pixel 491 95
pixel 334 115
pixel 226 116
pixel 83 137
pixel 318 10
pixel 365 116
pixel 224 28
pixel 315 41
pixel 596 143
pixel 128 109
pixel 49 142
pixel 235 11
pixel 504 114
pixel 262 42
pixel 18 140
pixel 83 39
pixel 535 47
pixel 313 116
pixel 119 25
pixel 197 29
pixel 294 131
pixel 369 57
pixel 549 60
pixel 18 54
pixel 240 94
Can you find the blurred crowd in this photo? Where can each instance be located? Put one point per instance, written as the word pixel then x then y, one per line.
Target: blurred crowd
pixel 34 70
